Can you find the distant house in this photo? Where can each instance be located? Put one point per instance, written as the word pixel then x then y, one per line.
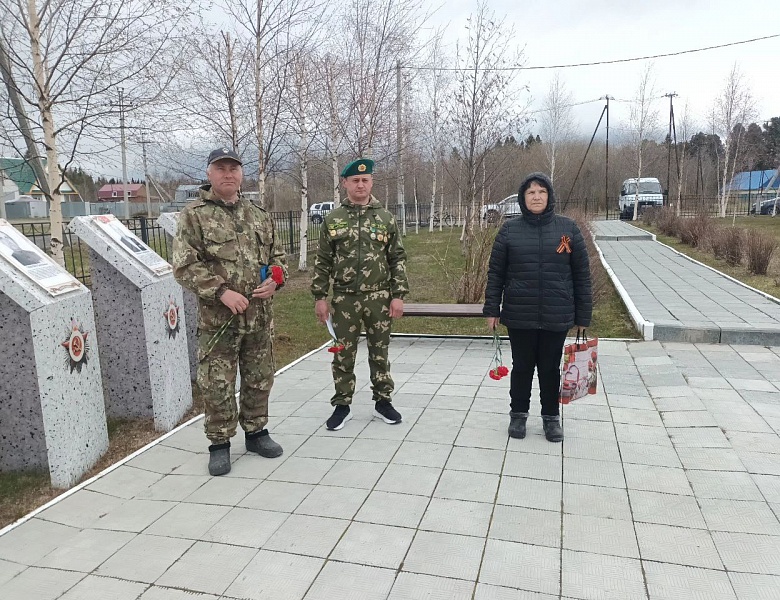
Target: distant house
pixel 115 192
pixel 26 207
pixel 9 191
pixel 755 184
pixel 19 171
pixel 186 193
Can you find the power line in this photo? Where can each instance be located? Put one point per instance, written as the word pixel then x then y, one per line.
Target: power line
pixel 602 62
pixel 542 110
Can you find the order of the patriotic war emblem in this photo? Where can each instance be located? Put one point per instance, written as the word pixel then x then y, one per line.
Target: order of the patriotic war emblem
pixel 171 316
pixel 77 347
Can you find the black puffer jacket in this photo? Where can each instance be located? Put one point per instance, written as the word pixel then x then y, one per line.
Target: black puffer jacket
pixel 530 284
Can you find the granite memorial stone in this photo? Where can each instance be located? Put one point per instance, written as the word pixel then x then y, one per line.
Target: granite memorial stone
pixel 140 324
pixel 52 412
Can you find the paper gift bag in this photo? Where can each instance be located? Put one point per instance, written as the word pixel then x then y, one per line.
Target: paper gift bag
pixel 578 374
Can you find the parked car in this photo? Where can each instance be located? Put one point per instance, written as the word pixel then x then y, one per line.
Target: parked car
pixel 318 211
pixel 508 207
pixel 767 207
pixel 650 193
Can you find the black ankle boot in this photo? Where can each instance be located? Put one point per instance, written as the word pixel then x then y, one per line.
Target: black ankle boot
pixel 261 443
pixel 219 459
pixel 517 424
pixel 552 429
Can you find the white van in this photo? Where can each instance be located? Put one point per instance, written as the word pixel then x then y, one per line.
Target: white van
pixel 650 194
pixel 318 211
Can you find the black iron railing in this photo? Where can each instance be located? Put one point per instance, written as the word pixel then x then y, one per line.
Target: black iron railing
pixel 288 225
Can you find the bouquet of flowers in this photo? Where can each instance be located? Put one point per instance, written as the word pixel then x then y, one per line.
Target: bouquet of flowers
pixel 499 370
pixel 277 275
pixel 335 345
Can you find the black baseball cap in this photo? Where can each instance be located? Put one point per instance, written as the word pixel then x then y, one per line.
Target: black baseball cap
pixel 222 153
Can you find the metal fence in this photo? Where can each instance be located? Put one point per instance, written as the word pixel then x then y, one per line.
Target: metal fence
pixel 76 253
pixel 692 206
pixel 288 231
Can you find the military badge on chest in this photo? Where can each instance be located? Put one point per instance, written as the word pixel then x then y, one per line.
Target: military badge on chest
pixel 378 232
pixel 338 228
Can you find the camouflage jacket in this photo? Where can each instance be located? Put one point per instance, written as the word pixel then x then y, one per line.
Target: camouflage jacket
pixel 361 250
pixel 219 243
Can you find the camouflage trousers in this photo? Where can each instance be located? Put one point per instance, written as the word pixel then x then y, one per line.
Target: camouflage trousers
pixel 252 354
pixel 371 309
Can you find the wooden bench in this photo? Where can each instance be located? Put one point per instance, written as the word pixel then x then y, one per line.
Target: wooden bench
pixel 442 310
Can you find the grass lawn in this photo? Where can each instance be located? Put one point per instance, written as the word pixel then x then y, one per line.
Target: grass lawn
pixel 434 266
pixel 769 283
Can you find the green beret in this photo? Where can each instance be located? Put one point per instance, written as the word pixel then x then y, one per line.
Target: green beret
pixel 361 166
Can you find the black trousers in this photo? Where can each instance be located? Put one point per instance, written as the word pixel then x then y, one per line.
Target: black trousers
pixel 540 349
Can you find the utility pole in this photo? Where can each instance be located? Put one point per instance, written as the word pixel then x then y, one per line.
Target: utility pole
pixel 123 142
pixel 400 142
pixel 671 96
pixel 2 194
pixel 677 162
pixel 606 169
pixel 146 177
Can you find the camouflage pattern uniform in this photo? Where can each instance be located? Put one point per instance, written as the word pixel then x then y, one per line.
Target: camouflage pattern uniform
pixel 360 249
pixel 215 244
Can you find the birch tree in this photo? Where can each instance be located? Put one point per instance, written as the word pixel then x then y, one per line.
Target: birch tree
pixel 434 89
pixel 486 108
pixel 556 122
pixel 214 88
pixel 734 105
pixel 274 26
pixel 644 123
pixel 686 126
pixel 67 58
pixel 374 36
pixel 334 130
pixel 306 129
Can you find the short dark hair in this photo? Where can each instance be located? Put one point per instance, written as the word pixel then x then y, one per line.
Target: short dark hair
pixel 527 183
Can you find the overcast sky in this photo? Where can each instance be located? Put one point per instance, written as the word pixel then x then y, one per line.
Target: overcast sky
pixel 575 31
pixel 554 32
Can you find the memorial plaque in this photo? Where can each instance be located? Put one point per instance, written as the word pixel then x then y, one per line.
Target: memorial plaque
pixel 33 263
pixel 134 247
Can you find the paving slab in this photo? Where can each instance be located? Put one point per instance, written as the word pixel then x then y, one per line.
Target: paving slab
pixel 673 298
pixel 663 488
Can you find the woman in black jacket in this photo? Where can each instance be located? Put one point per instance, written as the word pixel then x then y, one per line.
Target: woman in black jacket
pixel 539 287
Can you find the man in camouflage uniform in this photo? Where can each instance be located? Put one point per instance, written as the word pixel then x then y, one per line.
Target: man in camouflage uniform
pixel 222 243
pixel 360 249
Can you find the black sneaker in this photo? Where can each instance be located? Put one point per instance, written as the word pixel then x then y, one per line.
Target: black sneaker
pixel 339 417
pixel 384 410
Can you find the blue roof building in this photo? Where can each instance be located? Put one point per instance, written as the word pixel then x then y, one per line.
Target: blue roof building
pixel 755 183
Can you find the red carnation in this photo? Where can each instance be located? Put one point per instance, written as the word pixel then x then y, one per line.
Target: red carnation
pixel 277 274
pixel 494 374
pixel 503 371
pixel 333 349
pixel 336 348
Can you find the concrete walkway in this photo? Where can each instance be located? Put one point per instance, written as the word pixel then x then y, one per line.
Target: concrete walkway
pixel 667 487
pixel 673 298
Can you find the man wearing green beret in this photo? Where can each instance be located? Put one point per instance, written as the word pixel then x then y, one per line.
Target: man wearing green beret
pixel 361 251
